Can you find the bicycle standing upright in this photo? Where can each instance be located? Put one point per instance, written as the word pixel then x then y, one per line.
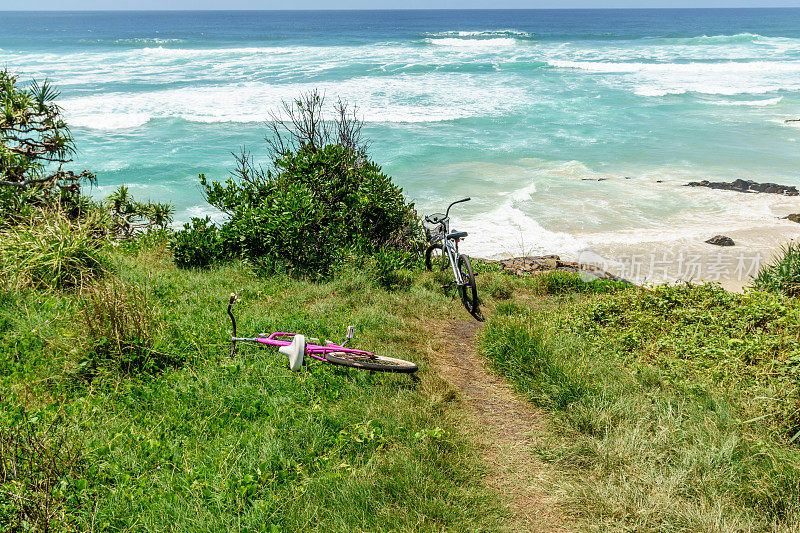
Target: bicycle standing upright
pixel 443 253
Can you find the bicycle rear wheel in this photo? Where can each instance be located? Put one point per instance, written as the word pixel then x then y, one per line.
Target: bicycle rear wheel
pixel 469 290
pixel 366 361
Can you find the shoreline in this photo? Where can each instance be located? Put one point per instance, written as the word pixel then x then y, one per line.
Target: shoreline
pixel 660 255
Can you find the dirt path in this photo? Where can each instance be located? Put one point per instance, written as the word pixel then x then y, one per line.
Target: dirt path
pixel 504 425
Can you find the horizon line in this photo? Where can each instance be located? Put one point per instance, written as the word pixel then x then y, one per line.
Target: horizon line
pixel 656 8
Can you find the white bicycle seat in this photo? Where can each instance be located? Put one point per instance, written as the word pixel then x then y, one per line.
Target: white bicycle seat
pixel 295 351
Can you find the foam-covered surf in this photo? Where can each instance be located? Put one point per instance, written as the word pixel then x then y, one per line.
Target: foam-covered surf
pixel 573 131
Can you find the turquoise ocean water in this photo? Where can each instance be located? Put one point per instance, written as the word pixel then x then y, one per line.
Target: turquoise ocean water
pixel 571 130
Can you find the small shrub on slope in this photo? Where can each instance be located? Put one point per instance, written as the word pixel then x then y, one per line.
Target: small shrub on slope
pixel 197 245
pixel 783 274
pixel 120 331
pixel 52 252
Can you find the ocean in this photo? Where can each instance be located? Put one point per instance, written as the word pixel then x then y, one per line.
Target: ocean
pixel 574 131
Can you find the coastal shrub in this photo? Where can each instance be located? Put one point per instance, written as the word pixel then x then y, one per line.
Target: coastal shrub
pixel 315 208
pixel 782 275
pixel 197 245
pixel 51 251
pixel 46 224
pixel 322 199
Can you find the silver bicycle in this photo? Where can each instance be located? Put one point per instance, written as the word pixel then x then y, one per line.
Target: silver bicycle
pixel 443 253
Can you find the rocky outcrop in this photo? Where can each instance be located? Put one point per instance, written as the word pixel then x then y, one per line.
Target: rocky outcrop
pixel 721 240
pixel 747 186
pixel 533 265
pixel 794 217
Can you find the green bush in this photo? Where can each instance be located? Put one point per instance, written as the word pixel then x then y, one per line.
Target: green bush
pixel 35 143
pixel 197 245
pixel 130 218
pixel 783 274
pixel 52 252
pixel 318 206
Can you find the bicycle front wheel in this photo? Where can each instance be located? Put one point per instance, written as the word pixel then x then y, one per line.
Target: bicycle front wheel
pixel 469 290
pixel 366 361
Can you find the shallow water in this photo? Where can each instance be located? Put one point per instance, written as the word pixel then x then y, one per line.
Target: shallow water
pixel 573 131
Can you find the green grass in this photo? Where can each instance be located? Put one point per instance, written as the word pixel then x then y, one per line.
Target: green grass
pixel 673 409
pixel 190 440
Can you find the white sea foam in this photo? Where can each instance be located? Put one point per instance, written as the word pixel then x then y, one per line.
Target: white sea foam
pixel 475 44
pixel 757 103
pixel 399 98
pixel 148 40
pixel 508 231
pixel 715 39
pixel 199 211
pixel 724 78
pixel 523 194
pixel 751 67
pixel 481 34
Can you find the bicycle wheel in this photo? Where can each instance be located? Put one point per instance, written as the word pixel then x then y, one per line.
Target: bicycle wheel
pixel 435 256
pixel 375 362
pixel 469 291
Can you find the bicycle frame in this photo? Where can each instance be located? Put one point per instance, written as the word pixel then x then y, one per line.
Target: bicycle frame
pixel 316 351
pixel 278 339
pixel 450 246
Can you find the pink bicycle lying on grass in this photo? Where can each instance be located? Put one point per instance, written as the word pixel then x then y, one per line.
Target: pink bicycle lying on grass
pixel 295 347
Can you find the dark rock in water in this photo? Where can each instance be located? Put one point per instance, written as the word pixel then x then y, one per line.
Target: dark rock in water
pixel 531 266
pixel 721 240
pixel 747 186
pixel 659 181
pixel 794 217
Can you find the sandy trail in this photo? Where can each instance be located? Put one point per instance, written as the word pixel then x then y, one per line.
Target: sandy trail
pixel 504 426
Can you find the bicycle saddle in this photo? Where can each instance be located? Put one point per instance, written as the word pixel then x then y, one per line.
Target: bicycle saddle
pixel 435 218
pixel 457 235
pixel 295 351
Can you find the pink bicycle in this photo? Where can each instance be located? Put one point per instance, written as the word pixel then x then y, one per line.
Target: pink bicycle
pixel 296 347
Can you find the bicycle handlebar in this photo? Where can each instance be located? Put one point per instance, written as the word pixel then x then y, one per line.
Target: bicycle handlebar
pixel 447 213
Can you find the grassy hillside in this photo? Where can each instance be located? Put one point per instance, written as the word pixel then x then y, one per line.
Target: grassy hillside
pixel 673 409
pixel 125 412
